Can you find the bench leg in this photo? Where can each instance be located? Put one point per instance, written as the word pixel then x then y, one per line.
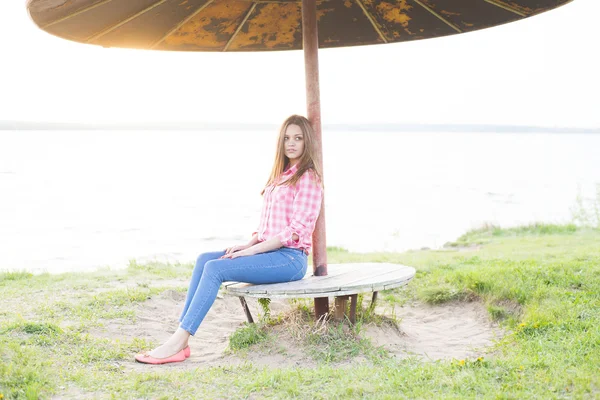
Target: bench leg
pixel 353 301
pixel 373 301
pixel 321 307
pixel 340 308
pixel 246 310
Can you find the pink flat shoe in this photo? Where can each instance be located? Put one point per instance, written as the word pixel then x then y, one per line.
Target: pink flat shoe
pixel 187 351
pixel 148 359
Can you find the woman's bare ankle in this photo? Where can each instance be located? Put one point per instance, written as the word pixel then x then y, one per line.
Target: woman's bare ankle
pixel 177 342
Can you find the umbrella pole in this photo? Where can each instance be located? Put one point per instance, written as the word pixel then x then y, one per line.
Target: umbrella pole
pixel 310 40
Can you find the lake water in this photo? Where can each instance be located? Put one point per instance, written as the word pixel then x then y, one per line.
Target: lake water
pixel 80 200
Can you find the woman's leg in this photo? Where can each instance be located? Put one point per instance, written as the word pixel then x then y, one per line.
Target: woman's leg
pixel 196 275
pixel 283 265
pixel 180 337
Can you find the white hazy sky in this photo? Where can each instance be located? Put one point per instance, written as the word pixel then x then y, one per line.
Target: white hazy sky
pixel 541 71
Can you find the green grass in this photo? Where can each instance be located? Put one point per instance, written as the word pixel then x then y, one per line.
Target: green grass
pixel 541 282
pixel 486 233
pixel 14 276
pixel 332 342
pixel 247 336
pixel 338 343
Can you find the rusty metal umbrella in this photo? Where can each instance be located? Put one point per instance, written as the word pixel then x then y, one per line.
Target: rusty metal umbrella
pixel 263 25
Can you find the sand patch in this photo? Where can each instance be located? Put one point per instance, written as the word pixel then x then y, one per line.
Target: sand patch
pixel 457 330
pixel 157 319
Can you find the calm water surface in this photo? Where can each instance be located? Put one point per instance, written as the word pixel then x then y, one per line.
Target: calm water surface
pixel 81 200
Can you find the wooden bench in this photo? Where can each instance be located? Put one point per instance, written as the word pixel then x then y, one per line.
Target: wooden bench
pixel 342 282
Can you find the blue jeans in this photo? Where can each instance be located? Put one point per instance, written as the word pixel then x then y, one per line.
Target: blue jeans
pixel 282 265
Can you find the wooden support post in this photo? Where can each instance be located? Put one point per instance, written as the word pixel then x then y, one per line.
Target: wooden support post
pixel 353 301
pixel 340 308
pixel 246 310
pixel 373 302
pixel 310 42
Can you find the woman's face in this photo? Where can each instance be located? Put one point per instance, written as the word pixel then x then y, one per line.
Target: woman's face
pixel 293 143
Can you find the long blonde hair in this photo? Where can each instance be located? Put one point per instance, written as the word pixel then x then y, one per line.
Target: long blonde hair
pixel 308 160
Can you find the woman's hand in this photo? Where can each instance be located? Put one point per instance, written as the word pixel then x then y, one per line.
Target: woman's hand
pixel 258 248
pixel 247 251
pixel 235 249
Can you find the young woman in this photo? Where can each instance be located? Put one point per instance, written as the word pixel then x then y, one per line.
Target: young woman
pixel 278 250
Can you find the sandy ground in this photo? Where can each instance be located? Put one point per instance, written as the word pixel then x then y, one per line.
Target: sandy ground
pixel 456 330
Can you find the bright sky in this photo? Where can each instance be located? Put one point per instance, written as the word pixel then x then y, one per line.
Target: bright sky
pixel 541 71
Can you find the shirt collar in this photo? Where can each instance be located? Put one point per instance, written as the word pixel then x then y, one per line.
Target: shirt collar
pixel 291 170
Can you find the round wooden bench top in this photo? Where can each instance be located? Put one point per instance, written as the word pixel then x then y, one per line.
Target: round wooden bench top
pixel 342 280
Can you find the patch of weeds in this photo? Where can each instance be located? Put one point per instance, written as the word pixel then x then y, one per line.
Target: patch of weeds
pixel 470 282
pixel 328 341
pixel 159 269
pixel 148 384
pixel 15 276
pixel 89 349
pixel 101 350
pixel 34 328
pixel 442 294
pixel 264 305
pixel 498 313
pixel 365 310
pixel 247 335
pixel 332 343
pixel 468 363
pixel 394 298
pixel 123 297
pixel 41 334
pixel 471 261
pixel 480 235
pixel 304 307
pixel 24 372
pixel 486 233
pixel 530 330
pixel 105 305
pixel 538 229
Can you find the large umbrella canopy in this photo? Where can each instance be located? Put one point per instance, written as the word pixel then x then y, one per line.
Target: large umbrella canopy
pixel 247 25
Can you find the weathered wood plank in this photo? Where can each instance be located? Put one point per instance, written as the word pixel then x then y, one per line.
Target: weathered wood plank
pixel 395 285
pixel 386 278
pixel 322 294
pixel 339 278
pixel 286 287
pixel 346 279
pixel 332 273
pixel 326 294
pixel 320 284
pixel 343 279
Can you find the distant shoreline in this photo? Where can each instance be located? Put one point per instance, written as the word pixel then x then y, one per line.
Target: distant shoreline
pixel 216 126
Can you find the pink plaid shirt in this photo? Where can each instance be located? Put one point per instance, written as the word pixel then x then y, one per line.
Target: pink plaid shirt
pixel 291 209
